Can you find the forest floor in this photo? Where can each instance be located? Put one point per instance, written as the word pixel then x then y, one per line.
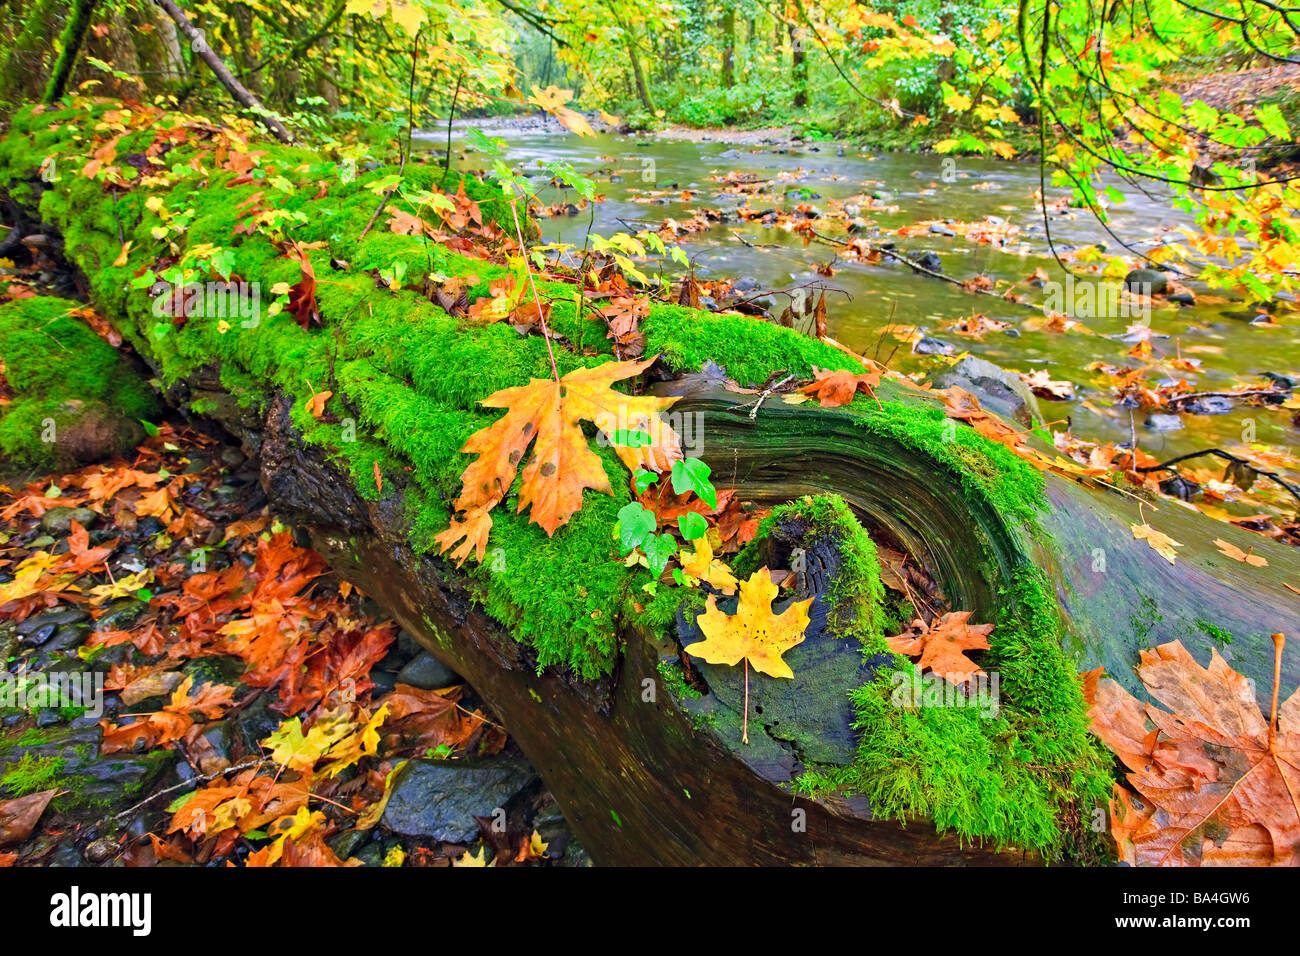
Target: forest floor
pixel 223 652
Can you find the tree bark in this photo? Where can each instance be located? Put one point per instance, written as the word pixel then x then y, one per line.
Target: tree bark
pixel 798 67
pixel 74 34
pixel 222 73
pixel 729 48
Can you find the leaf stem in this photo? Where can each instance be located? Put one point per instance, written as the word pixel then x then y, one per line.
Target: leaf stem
pixel 541 316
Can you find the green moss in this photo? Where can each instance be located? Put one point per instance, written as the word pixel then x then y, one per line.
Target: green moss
pixel 675 681
pixel 31 774
pixel 1024 773
pixel 61 371
pixel 1213 631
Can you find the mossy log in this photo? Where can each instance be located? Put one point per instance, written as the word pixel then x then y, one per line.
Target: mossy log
pixel 640 743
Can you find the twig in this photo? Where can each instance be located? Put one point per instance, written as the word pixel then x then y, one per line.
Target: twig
pixel 758 403
pixel 203 778
pixel 1165 466
pixel 401 166
pixel 451 115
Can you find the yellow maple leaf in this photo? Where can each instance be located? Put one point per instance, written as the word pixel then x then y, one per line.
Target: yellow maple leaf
pixel 122 587
pixel 298 751
pixel 702 565
pixel 1160 542
pixel 472 859
pixel 753 633
pixel 552 99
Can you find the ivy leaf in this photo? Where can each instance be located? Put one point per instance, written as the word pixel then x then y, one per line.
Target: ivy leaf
pixel 658 549
pixel 693 525
pixel 643 480
pixel 635 522
pixel 692 474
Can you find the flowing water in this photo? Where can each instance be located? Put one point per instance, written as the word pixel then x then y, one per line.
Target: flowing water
pixel 671 178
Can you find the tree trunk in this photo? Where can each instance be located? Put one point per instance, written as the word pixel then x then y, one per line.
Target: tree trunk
pixel 220 70
pixel 729 48
pixel 74 34
pixel 642 91
pixel 798 67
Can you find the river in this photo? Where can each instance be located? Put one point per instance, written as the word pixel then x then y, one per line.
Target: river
pixel 646 178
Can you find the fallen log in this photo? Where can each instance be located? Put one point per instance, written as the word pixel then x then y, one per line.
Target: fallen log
pixel 640 742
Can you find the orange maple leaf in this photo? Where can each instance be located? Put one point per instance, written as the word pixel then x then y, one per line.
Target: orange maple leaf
pixel 546 415
pixel 834 387
pixel 1217 784
pixel 943 645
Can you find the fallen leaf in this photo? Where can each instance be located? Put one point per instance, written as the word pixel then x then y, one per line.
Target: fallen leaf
pixel 1161 543
pixel 943 645
pixel 753 633
pixel 547 415
pixel 18 817
pixel 1234 552
pixel 1218 784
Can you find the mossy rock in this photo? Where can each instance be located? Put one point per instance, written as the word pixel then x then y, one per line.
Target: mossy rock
pixel 76 398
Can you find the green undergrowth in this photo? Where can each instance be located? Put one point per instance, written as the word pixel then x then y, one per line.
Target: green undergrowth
pixel 406 377
pixel 60 372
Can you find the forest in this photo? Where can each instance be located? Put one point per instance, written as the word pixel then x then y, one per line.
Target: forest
pixel 540 433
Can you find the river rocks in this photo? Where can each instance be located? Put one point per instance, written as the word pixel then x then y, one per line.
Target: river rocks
pixel 121 614
pixel 59 520
pixel 1208 405
pixel 930 261
pixel 439 799
pixel 929 346
pixel 56 618
pixel 939 229
pixel 1164 423
pixel 1148 281
pixel 427 673
pixel 997 389
pixel 95 785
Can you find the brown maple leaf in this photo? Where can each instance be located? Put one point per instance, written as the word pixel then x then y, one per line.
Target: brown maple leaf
pixel 1217 784
pixel 834 387
pixel 943 645
pixel 546 415
pixel 302 294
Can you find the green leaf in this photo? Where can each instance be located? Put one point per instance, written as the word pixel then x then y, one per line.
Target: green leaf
pixel 631 438
pixel 644 479
pixel 181 801
pixel 150 428
pixel 692 474
pixel 635 522
pixel 1270 117
pixel 658 548
pixel 693 525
